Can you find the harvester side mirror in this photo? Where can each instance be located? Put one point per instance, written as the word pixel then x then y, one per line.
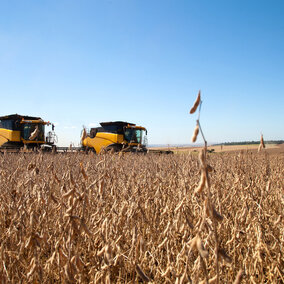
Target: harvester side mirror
pixel 52 127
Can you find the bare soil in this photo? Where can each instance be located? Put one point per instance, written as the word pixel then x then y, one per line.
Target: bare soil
pixel 270 148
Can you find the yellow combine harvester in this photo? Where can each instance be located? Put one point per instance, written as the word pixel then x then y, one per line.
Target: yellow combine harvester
pixel 28 132
pixel 20 131
pixel 115 136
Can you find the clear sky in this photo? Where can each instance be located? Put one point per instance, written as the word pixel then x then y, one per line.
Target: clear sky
pixel 82 62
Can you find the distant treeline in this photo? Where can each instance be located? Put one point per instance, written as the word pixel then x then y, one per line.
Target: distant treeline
pixel 251 142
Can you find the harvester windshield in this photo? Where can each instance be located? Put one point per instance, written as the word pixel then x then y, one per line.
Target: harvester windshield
pixel 33 131
pixel 133 135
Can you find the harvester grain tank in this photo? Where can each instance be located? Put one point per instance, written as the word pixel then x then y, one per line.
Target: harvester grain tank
pixel 22 131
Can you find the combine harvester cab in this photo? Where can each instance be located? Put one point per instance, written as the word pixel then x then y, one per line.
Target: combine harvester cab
pixel 27 132
pixel 115 136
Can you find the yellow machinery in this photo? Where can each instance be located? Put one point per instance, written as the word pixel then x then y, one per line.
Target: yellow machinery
pixel 18 131
pixel 115 136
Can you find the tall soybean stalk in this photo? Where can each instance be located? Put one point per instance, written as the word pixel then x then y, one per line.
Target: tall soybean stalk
pixel 208 209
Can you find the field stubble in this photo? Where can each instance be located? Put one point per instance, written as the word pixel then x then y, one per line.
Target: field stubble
pixel 121 218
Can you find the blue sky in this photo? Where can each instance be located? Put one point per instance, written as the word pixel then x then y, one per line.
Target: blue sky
pixel 82 62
